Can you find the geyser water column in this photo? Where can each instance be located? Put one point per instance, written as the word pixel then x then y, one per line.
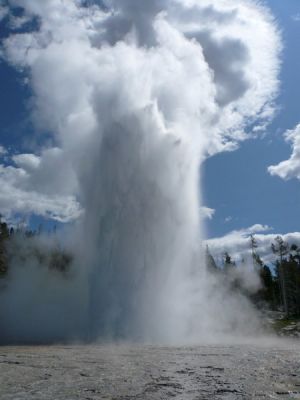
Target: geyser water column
pixel 137 93
pixel 143 227
pixel 141 194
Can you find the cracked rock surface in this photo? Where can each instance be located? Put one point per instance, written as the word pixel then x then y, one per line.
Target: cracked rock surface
pixel 123 372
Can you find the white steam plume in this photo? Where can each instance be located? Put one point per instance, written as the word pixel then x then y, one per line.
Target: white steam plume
pixel 137 94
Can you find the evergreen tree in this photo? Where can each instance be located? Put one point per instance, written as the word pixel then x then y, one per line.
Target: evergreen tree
pixel 4 236
pixel 292 273
pixel 281 248
pixel 228 262
pixel 268 292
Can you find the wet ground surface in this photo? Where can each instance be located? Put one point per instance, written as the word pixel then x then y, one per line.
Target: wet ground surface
pixel 122 372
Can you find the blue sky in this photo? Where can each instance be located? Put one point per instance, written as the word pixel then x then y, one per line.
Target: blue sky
pixel 237 184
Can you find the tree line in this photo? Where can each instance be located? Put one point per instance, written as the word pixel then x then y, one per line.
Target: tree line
pixel 280 280
pixel 280 284
pixel 20 244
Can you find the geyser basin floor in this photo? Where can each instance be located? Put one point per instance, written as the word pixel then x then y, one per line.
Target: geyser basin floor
pixel 137 372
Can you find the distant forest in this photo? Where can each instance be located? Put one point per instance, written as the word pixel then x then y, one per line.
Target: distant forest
pixel 20 245
pixel 280 285
pixel 279 289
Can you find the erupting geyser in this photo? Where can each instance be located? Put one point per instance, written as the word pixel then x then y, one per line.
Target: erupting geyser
pixel 136 94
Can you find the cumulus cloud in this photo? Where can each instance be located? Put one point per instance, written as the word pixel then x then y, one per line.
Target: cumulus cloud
pixel 237 243
pixel 208 212
pixel 31 185
pixel 14 22
pixel 290 168
pixel 14 200
pixel 4 10
pixel 3 151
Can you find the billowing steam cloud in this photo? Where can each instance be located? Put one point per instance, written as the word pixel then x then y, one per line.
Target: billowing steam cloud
pixel 136 94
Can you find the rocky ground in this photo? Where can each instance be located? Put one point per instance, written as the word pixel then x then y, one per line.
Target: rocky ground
pixel 122 372
pixel 288 328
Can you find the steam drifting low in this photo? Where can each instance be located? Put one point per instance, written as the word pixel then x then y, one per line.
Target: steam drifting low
pixel 136 95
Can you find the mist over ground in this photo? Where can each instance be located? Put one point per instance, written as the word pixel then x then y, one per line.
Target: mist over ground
pixel 136 95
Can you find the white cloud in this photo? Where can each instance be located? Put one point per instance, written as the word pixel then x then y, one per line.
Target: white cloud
pixel 27 161
pixel 237 243
pixel 208 212
pixel 14 200
pixel 3 12
pixel 289 168
pixel 14 22
pixel 3 151
pixel 34 186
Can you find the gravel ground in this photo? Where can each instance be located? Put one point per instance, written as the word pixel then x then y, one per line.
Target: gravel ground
pixel 123 372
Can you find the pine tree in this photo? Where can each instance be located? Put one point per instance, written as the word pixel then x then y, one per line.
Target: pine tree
pixel 4 236
pixel 281 248
pixel 228 262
